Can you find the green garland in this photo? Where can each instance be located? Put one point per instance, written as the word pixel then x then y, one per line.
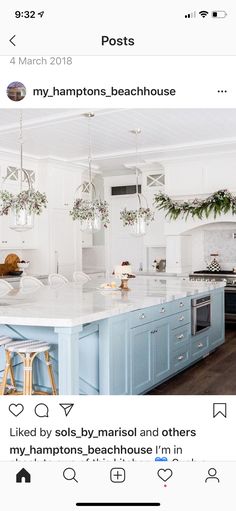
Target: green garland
pixel 218 203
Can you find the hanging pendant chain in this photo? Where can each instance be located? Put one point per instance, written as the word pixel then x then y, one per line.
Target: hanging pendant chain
pixel 137 132
pixel 89 150
pixel 21 152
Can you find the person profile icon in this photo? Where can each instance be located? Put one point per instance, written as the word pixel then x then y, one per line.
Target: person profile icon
pixel 212 475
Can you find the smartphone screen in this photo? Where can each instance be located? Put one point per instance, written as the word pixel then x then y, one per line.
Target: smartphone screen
pixel 117 255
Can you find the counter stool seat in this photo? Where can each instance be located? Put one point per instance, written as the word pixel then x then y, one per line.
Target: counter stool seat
pixel 27 350
pixel 28 346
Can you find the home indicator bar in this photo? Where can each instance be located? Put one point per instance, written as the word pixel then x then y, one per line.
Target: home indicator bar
pixel 118 504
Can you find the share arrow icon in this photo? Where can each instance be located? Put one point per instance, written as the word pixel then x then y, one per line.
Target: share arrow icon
pixel 67 407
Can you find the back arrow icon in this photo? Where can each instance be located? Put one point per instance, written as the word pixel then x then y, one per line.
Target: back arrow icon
pixel 11 40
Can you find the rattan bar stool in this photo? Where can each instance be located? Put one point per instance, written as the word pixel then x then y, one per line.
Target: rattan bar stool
pixel 4 340
pixel 27 351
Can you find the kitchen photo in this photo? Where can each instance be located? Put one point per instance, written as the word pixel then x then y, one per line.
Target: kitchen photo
pixel 117 251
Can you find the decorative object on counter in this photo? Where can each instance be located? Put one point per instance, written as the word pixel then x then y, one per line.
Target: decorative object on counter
pixel 23 206
pixel 124 268
pixel 13 260
pixel 137 220
pixel 9 266
pixel 159 265
pixel 214 264
pixel 124 272
pixel 23 265
pixel 220 202
pixel 15 273
pixel 109 286
pixel 92 212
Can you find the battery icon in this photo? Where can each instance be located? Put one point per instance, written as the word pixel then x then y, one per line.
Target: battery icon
pixel 219 14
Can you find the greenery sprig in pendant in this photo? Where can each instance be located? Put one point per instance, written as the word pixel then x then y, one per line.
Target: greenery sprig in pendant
pixel 216 204
pixel 93 212
pixel 137 220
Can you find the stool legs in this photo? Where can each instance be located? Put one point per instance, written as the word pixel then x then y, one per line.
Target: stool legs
pixel 8 369
pixel 27 360
pixel 50 372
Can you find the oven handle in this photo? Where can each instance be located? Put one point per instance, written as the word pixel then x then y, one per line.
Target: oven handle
pixel 200 305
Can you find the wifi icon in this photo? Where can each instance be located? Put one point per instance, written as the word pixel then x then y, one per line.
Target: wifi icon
pixel 203 14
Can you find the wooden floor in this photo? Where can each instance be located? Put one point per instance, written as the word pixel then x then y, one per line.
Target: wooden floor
pixel 216 374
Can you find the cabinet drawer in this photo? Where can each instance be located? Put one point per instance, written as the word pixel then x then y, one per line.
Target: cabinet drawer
pixel 180 336
pixel 142 316
pixel 165 309
pixel 199 346
pixel 180 358
pixel 182 318
pixel 181 305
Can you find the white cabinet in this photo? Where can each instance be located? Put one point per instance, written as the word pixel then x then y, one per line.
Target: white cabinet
pixel 179 254
pixel 63 243
pixel 10 239
pixel 62 187
pixel 87 239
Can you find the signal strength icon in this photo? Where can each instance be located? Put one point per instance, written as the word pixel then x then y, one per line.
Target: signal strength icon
pixel 191 15
pixel 203 14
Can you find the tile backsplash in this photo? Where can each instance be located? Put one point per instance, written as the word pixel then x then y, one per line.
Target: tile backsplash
pixel 221 242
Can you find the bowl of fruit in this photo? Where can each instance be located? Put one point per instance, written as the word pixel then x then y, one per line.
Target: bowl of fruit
pixel 23 265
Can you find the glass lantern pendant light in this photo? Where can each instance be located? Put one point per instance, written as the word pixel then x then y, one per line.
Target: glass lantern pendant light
pixel 138 220
pixel 21 219
pixel 91 220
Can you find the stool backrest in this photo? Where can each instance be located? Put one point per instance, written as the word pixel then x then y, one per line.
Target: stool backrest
pixel 5 287
pixel 28 282
pixel 56 279
pixel 80 276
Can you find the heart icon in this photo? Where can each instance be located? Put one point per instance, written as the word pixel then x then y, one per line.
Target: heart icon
pixel 16 409
pixel 165 474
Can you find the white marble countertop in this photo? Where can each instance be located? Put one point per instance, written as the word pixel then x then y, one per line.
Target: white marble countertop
pixel 74 304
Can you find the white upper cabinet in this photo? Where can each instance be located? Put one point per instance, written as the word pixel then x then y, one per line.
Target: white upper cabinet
pixel 62 184
pixel 200 175
pixel 10 239
pixel 154 182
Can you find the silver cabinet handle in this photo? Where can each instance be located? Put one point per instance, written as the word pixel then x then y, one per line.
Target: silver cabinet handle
pixel 154 331
pixel 180 336
pixel 200 345
pixel 162 310
pixel 142 316
pixel 181 304
pixel 181 318
pixel 181 357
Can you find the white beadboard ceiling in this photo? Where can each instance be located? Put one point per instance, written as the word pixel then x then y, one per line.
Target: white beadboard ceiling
pixel 63 134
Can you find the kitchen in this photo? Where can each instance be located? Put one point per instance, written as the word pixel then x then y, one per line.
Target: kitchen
pixel 131 156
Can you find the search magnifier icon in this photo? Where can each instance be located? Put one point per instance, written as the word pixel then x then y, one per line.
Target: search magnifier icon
pixel 70 474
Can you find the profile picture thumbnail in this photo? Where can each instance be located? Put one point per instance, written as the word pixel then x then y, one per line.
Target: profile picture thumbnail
pixel 16 91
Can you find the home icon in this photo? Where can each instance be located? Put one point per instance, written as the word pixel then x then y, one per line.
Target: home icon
pixel 23 476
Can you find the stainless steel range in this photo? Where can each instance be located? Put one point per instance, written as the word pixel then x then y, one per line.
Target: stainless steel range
pixel 230 289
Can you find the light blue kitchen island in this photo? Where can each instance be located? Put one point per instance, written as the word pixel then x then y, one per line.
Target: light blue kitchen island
pixel 113 342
